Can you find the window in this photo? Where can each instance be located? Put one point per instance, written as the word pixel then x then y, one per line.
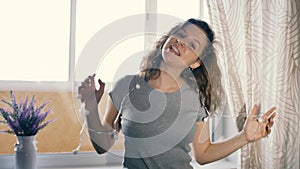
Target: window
pixel 34 40
pixel 40 46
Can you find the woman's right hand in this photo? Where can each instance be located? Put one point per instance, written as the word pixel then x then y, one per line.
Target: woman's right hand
pixel 88 92
pixel 256 128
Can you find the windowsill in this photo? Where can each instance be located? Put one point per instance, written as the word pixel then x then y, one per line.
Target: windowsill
pixel 91 160
pixel 35 86
pixel 66 160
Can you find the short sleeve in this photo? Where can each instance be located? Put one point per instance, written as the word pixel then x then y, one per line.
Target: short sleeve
pixel 202 115
pixel 120 89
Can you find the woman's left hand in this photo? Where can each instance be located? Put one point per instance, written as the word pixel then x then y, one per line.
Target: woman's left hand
pixel 88 92
pixel 256 128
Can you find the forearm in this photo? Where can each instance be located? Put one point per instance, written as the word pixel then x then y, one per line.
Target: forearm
pixel 101 136
pixel 92 117
pixel 254 129
pixel 218 150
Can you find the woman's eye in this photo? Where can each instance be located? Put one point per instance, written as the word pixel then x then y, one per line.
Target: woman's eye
pixel 192 45
pixel 180 35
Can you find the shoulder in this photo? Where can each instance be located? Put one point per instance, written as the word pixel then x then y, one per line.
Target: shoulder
pixel 125 82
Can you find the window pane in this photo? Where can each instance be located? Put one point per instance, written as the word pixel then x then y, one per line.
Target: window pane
pixel 182 9
pixel 205 11
pixel 122 59
pixel 63 135
pixel 34 40
pixel 92 18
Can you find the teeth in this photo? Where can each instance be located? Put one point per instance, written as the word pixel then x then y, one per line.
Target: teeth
pixel 176 50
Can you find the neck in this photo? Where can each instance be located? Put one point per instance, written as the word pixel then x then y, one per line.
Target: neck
pixel 173 72
pixel 169 79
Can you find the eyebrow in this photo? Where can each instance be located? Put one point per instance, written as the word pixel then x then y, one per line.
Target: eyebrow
pixel 199 44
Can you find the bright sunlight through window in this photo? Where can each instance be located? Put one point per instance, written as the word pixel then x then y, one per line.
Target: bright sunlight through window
pixel 34 40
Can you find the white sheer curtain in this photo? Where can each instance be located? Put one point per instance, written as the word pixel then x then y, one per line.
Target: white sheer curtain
pixel 258 44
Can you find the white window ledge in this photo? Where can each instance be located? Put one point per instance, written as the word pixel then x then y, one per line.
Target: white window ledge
pixel 92 160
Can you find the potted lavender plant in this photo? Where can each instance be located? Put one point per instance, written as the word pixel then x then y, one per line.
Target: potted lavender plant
pixel 24 120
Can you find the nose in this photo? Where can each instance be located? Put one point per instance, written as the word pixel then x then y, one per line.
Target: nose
pixel 179 42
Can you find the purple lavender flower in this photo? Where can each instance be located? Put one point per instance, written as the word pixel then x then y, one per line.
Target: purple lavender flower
pixel 24 119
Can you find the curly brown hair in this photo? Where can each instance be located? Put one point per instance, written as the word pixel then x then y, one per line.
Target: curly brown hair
pixel 209 88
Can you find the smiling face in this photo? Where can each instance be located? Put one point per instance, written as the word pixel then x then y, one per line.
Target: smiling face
pixel 184 46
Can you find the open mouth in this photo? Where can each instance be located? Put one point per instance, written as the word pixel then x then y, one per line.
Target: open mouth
pixel 174 50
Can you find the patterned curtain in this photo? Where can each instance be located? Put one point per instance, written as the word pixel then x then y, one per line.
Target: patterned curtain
pixel 258 45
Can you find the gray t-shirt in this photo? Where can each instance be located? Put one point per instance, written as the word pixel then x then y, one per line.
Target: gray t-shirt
pixel 158 127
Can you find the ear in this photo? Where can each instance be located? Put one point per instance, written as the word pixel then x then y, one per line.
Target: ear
pixel 196 64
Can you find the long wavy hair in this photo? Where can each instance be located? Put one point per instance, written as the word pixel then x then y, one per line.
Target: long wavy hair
pixel 209 88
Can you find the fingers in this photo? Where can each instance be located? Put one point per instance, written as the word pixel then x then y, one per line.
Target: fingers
pixel 102 84
pixel 90 80
pixel 268 130
pixel 264 123
pixel 268 120
pixel 93 80
pixel 269 114
pixel 271 119
pixel 254 111
pixel 88 89
pixel 267 117
pixel 87 82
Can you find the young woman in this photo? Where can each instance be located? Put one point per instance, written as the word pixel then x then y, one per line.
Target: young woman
pixel 163 109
